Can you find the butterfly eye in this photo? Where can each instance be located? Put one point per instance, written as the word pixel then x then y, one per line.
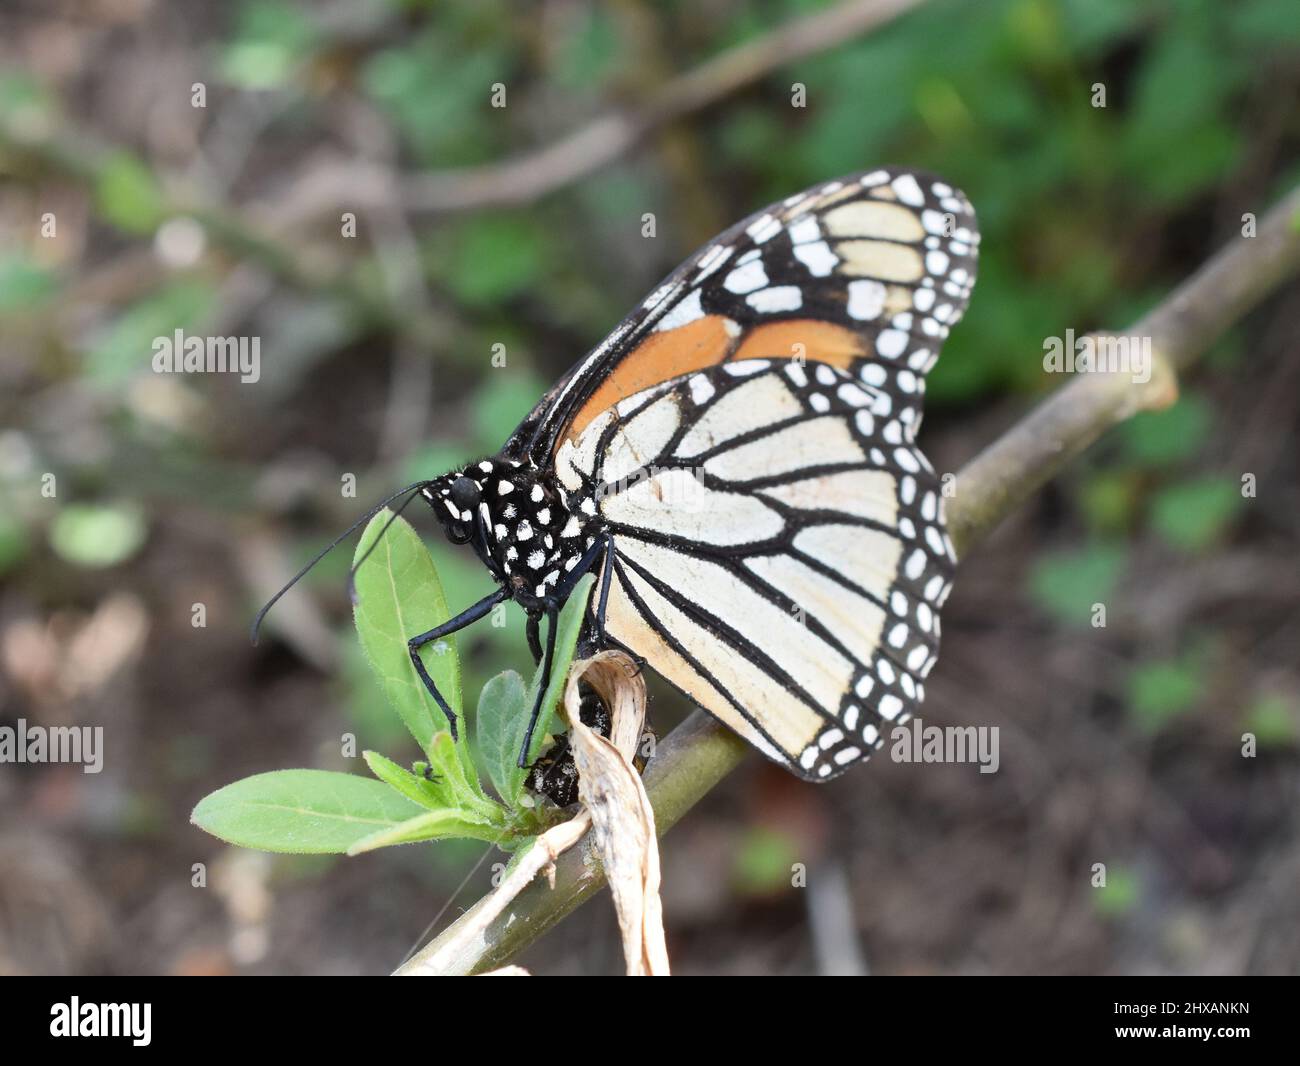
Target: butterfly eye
pixel 464 494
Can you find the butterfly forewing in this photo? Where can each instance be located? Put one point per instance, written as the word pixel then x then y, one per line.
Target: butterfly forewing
pixel 867 274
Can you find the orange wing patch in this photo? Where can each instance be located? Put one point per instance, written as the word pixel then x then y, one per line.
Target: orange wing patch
pixel 705 342
pixel 822 342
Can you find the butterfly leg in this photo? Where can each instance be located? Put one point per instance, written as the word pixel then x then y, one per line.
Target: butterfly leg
pixel 552 616
pixel 466 617
pixel 584 566
pixel 606 572
pixel 562 591
pixel 534 642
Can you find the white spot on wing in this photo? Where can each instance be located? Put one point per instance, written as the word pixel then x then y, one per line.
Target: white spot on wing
pixel 909 192
pixel 778 298
pixel 712 259
pixel 763 229
pixel 746 278
pixel 817 257
pixel 702 389
pixel 687 310
pixel 804 230
pixel 866 299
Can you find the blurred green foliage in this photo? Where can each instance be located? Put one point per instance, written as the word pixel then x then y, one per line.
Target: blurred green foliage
pixel 116 356
pixel 270 39
pixel 1158 438
pixel 1273 721
pixel 23 284
pixel 1162 690
pixel 1192 515
pixel 95 536
pixel 1068 583
pixel 1121 893
pixel 127 194
pixel 764 860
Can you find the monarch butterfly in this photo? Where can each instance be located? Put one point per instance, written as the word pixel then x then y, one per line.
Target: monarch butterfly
pixel 736 463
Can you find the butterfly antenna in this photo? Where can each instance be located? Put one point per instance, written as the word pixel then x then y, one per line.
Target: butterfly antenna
pixel 257 622
pixel 352 574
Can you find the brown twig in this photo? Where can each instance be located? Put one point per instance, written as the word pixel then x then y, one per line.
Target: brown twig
pixel 700 752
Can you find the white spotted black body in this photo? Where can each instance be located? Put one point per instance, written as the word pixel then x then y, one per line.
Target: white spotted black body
pixel 525 527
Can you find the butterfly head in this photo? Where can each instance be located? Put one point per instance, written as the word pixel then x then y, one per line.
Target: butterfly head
pixel 469 502
pixel 457 498
pixel 515 520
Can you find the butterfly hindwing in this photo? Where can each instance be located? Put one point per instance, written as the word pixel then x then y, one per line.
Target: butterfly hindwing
pixel 776 558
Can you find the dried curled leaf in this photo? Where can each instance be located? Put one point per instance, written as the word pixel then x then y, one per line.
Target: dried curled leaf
pixel 623 823
pixel 615 809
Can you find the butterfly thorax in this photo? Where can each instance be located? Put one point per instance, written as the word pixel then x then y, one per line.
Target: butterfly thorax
pixel 526 529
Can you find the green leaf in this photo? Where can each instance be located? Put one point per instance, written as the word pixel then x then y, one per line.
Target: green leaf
pixel 25 104
pixel 506 737
pixel 431 825
pixel 257 65
pixel 1269 23
pixel 435 87
pixel 272 40
pixel 127 194
pixel 414 787
pixel 568 629
pixel 449 791
pixel 499 724
pixel 399 596
pixel 304 811
pixel 1066 584
pixel 1092 24
pixel 284 22
pixel 1193 515
pixel 97 536
pixel 1180 86
pixel 1161 691
pixel 587 52
pixel 14 544
pixel 457 783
